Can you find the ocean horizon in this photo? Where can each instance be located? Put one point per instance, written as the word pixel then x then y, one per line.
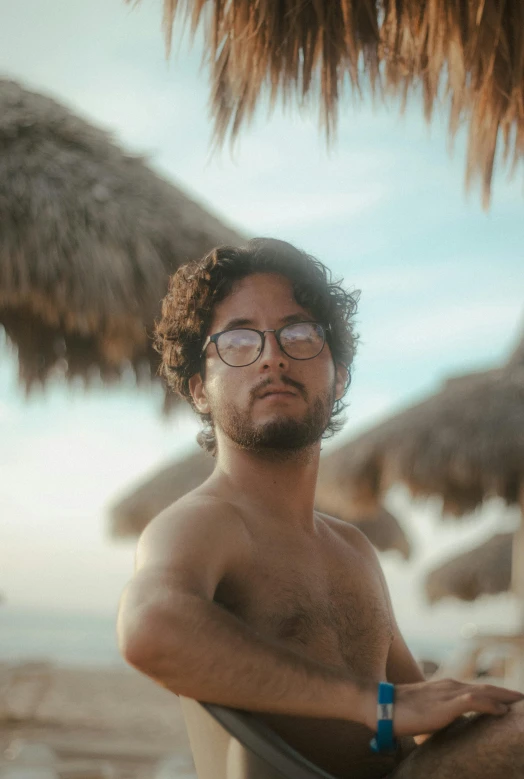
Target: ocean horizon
pixel 62 637
pixel 68 638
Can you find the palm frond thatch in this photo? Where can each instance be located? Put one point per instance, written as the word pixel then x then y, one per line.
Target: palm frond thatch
pixel 464 444
pixel 485 570
pixel 383 530
pixel 468 55
pixel 89 236
pixel 133 512
pixel 130 515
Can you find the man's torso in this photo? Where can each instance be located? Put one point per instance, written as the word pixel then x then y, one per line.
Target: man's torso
pixel 320 596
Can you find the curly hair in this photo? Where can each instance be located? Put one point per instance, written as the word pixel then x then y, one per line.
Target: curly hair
pixel 197 287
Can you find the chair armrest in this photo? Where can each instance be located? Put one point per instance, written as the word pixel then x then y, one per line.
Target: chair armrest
pixel 258 738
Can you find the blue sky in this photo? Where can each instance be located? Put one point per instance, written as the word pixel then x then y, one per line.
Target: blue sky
pixel 442 288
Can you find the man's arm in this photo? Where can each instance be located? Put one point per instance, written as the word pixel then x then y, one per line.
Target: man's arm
pixel 171 629
pixel 422 707
pixel 401 666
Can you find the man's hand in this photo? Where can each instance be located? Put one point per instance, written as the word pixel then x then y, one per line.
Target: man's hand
pixel 429 706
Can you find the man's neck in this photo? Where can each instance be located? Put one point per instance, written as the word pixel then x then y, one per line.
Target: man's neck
pixel 280 483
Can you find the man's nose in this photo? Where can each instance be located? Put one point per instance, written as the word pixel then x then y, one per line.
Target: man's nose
pixel 272 355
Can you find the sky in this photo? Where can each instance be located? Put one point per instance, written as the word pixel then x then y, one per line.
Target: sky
pixel 385 208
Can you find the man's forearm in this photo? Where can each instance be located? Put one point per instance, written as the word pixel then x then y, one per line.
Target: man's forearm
pixel 203 652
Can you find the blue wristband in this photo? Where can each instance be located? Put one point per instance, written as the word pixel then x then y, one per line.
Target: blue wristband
pixel 384 741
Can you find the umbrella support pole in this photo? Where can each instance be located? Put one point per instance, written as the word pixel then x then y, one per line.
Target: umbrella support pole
pixel 517 578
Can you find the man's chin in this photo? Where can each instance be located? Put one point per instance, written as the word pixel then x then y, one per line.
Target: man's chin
pixel 283 434
pixel 277 430
pixel 275 419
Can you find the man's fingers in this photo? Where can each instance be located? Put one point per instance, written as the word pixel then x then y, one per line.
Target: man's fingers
pixel 431 706
pixel 497 708
pixel 501 694
pixel 453 688
pixel 481 704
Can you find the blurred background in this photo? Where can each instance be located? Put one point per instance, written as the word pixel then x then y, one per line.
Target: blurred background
pixel 441 274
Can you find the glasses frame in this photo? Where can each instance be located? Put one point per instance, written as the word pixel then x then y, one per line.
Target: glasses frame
pixel 262 333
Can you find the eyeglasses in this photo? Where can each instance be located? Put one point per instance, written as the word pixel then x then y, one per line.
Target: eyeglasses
pixel 243 346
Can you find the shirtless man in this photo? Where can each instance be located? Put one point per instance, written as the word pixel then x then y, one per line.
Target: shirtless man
pixel 246 596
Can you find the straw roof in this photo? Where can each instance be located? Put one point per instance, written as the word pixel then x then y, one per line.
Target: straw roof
pixel 467 56
pixel 89 235
pixel 485 570
pixel 383 530
pixel 130 515
pixel 464 444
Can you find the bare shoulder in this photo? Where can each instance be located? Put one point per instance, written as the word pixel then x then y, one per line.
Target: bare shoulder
pixel 190 526
pixel 352 536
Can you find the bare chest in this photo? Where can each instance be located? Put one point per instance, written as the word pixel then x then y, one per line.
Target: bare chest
pixel 324 601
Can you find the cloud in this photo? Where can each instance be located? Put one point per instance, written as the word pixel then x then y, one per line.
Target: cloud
pixel 452 329
pixel 406 280
pixel 291 210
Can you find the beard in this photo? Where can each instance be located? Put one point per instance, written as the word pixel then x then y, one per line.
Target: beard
pixel 283 434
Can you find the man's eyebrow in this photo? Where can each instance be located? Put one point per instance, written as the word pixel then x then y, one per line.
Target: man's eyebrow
pixel 285 320
pixel 239 322
pixel 298 317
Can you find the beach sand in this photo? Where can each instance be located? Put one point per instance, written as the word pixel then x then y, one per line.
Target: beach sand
pixel 115 719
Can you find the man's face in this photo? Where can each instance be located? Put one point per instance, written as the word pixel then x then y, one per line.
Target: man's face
pixel 241 401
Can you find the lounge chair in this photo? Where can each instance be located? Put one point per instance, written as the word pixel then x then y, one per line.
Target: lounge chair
pixel 231 744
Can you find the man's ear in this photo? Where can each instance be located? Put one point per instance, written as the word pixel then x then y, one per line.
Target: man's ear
pixel 342 376
pixel 198 393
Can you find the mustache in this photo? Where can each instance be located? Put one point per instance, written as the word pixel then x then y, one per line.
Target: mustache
pixel 284 380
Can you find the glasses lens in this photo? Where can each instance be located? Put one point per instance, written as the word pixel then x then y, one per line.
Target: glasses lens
pixel 303 340
pixel 239 347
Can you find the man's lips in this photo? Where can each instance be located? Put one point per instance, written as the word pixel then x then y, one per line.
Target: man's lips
pixel 284 389
pixel 277 393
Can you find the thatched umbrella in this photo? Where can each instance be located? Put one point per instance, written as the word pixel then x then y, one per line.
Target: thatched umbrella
pixel 469 55
pixel 464 444
pixel 89 236
pixel 485 570
pixel 130 515
pixel 382 529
